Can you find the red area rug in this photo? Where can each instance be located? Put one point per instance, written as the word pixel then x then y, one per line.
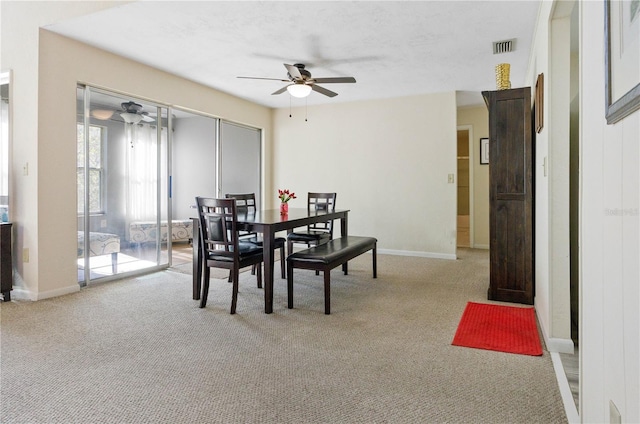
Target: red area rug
pixel 495 327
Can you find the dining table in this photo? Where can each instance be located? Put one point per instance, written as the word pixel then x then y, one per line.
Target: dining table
pixel 268 222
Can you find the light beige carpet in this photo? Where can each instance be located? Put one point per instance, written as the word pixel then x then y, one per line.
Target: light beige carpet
pixel 141 351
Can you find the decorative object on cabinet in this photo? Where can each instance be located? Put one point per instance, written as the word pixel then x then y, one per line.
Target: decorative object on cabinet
pixel 484 151
pixel 502 76
pixel 539 103
pixel 511 195
pixel 622 61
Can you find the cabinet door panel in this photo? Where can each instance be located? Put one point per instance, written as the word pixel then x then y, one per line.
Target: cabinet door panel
pixel 511 195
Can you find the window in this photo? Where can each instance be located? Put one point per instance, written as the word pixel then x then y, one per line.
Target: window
pixel 96 169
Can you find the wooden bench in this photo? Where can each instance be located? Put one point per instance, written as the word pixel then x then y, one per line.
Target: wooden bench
pixel 327 256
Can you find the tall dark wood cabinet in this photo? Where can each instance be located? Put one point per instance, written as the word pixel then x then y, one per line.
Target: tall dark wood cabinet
pixel 6 261
pixel 511 193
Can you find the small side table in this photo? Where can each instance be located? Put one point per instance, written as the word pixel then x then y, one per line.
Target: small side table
pixel 6 261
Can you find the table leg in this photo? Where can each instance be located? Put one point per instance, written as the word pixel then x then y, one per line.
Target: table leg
pixel 196 260
pixel 268 258
pixel 344 231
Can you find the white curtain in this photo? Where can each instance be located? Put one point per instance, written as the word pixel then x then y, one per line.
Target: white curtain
pixel 142 171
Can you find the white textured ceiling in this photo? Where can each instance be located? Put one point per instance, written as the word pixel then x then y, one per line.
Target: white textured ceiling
pixel 393 49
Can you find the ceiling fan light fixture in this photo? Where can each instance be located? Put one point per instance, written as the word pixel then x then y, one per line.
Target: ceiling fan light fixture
pixel 102 114
pixel 299 90
pixel 131 118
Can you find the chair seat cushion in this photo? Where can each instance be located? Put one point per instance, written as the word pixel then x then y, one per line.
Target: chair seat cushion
pixel 306 237
pixel 278 242
pixel 246 249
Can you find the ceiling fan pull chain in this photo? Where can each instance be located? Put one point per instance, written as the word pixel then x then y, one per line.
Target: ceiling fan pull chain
pixel 289 106
pixel 306 103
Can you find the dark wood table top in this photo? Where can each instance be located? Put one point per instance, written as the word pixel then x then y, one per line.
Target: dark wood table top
pixel 295 217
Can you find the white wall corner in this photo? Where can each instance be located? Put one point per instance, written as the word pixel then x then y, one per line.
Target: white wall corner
pixel 556 344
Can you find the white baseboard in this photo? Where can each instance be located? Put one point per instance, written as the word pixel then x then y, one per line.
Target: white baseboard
pixel 559 345
pixel 565 391
pixel 418 254
pixel 23 294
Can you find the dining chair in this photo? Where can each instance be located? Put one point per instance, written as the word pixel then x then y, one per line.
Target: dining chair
pixel 317 233
pixel 221 246
pixel 246 204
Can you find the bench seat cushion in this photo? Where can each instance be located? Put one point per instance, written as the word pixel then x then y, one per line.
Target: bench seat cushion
pixel 147 231
pixel 99 243
pixel 334 249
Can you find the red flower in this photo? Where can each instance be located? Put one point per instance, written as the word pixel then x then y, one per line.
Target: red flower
pixel 285 195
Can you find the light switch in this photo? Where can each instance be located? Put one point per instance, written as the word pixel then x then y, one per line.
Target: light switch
pixel 450 179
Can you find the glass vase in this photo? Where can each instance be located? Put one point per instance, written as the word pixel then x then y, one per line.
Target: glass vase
pixel 284 208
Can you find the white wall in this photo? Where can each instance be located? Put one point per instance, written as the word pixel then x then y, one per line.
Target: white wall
pixel 610 281
pixel 551 57
pixel 388 160
pixel 609 230
pixel 46 69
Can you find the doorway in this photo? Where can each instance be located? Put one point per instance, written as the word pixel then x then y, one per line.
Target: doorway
pixel 140 167
pixel 122 185
pixel 464 201
pixel 563 151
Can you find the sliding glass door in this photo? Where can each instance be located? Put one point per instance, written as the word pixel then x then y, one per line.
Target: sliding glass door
pixel 240 160
pixel 122 168
pixel 140 166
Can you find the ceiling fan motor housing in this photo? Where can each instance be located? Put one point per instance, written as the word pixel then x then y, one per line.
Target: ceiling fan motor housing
pixel 131 107
pixel 305 74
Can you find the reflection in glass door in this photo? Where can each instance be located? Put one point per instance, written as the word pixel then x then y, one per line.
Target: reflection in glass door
pixel 122 180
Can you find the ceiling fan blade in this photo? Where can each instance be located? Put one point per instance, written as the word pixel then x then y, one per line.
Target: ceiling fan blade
pixel 282 90
pixel 324 91
pixel 271 79
pixel 334 80
pixel 147 118
pixel 293 71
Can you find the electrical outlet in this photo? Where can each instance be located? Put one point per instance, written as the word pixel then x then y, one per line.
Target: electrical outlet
pixel 103 223
pixel 25 255
pixel 25 169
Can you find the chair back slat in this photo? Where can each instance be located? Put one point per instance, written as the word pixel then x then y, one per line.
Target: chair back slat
pixel 218 226
pixel 245 202
pixel 321 202
pixel 245 205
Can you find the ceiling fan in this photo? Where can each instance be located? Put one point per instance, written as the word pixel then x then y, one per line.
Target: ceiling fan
pixel 301 82
pixel 132 113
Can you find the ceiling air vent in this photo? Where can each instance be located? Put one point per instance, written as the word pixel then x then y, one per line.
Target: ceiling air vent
pixel 505 46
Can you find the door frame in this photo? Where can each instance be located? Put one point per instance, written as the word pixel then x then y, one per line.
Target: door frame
pixel 469 129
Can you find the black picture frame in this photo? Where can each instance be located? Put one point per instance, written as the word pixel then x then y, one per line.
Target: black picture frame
pixel 617 108
pixel 484 151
